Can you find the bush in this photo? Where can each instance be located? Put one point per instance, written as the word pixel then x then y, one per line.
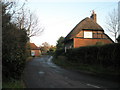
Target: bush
pixel 14 51
pixel 59 52
pixel 106 56
pixel 13 45
pixel 83 55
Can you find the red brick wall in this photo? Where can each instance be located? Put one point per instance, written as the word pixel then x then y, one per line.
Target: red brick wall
pixel 78 42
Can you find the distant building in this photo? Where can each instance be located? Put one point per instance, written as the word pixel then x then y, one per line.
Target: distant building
pixel 35 51
pixel 85 33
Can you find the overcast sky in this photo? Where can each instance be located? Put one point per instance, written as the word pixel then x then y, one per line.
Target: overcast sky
pixel 59 17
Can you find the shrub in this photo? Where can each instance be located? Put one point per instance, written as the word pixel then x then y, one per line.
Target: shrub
pixel 13 45
pixel 106 56
pixel 83 55
pixel 14 51
pixel 59 52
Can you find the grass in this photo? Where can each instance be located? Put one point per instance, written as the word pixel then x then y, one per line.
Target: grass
pixel 13 84
pixel 92 69
pixel 29 59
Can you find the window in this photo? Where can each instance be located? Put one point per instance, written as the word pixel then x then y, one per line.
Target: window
pixel 87 34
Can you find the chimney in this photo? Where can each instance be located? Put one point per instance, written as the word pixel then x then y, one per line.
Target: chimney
pixel 93 16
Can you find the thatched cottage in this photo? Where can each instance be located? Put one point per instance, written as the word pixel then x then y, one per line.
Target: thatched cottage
pixel 85 33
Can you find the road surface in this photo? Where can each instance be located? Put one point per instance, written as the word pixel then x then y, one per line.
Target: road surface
pixel 41 72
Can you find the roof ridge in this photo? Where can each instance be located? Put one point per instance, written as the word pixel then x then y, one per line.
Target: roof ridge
pixel 86 23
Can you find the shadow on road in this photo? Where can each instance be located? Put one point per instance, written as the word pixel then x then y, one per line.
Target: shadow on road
pixel 41 72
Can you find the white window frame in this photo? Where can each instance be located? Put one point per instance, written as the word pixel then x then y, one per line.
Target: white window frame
pixel 88 34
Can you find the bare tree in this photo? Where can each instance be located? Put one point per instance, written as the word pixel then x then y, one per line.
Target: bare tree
pixel 26 20
pixel 47 45
pixel 30 22
pixel 113 23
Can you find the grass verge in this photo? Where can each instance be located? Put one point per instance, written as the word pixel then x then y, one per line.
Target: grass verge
pixel 13 84
pixel 91 69
pixel 29 59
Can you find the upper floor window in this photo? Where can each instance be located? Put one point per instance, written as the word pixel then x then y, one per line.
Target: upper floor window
pixel 88 34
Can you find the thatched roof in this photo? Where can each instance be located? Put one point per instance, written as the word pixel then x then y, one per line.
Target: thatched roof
pixel 85 24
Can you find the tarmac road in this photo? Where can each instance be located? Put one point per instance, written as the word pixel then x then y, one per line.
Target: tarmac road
pixel 41 72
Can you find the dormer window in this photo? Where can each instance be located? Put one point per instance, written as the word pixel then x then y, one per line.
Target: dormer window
pixel 88 34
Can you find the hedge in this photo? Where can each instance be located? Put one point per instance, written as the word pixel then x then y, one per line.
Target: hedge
pixel 107 56
pixel 13 52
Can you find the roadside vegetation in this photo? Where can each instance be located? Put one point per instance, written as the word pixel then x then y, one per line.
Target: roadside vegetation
pixel 100 60
pixel 13 49
pixel 18 25
pixel 14 84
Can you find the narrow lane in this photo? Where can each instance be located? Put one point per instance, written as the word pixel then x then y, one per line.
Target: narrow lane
pixel 42 73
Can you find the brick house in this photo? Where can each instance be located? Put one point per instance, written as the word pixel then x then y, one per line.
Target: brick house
pixel 85 33
pixel 35 51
